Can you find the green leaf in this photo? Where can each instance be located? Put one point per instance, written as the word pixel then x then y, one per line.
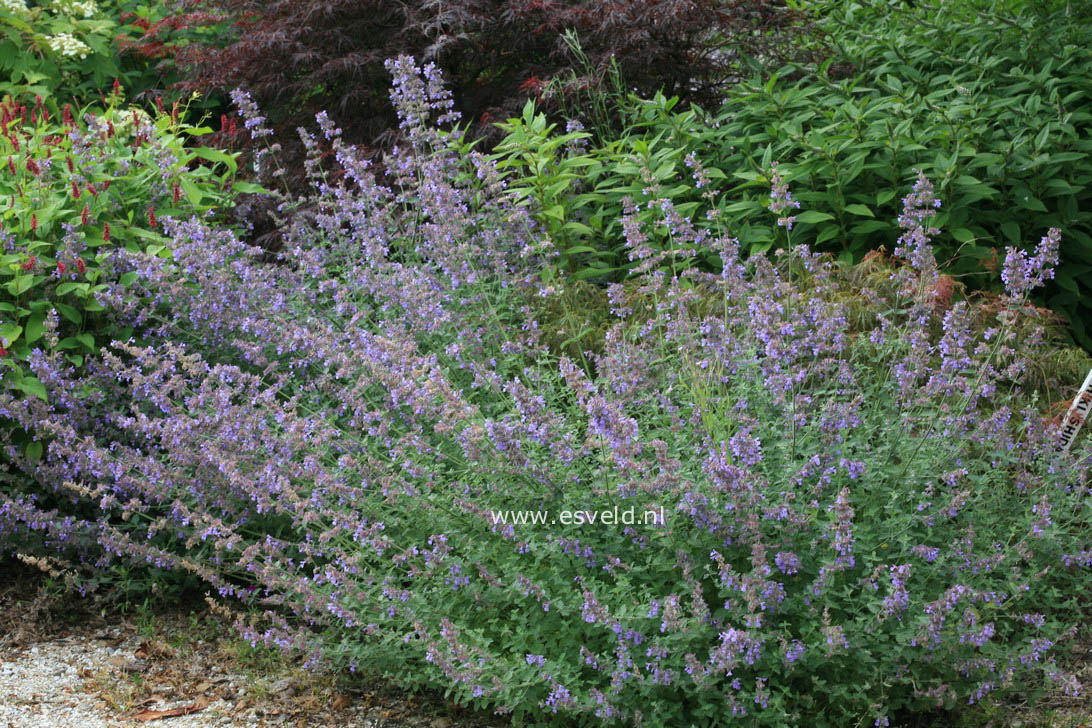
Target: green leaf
pixel 828 232
pixel 1029 202
pixel 35 328
pixel 556 212
pixel 1012 232
pixel 34 451
pixel 87 340
pixel 870 226
pixel 962 234
pixel 21 284
pixel 215 155
pixel 579 228
pixel 859 210
pixel 813 216
pixel 193 192
pixel 70 313
pixel 31 386
pixel 884 196
pixel 10 333
pixel 249 188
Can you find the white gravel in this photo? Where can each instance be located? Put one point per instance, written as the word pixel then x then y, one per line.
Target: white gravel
pixel 42 686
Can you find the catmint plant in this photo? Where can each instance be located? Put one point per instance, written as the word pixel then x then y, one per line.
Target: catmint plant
pixel 831 525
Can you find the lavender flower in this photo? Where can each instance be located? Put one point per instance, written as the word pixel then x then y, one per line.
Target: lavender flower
pixel 248 109
pixel 781 199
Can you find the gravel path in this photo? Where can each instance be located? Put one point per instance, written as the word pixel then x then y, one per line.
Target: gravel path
pixel 114 677
pixel 58 683
pixel 63 665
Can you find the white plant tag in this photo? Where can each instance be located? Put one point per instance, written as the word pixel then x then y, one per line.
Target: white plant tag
pixel 1077 414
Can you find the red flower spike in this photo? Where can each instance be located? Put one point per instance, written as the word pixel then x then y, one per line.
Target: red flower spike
pixel 30 262
pixel 33 223
pixel 11 165
pixel 109 128
pixel 159 104
pixel 81 266
pixel 117 87
pixel 33 118
pixel 75 191
pixel 177 192
pixel 60 267
pixel 68 121
pixel 105 185
pixel 106 232
pixel 91 189
pixel 85 216
pixel 33 168
pixel 3 352
pixel 151 217
pixel 38 101
pixel 71 167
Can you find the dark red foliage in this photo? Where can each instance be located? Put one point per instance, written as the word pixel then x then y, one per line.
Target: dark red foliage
pixel 299 56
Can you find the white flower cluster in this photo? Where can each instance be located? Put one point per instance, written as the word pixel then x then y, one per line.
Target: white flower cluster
pixel 19 7
pixel 67 45
pixel 73 8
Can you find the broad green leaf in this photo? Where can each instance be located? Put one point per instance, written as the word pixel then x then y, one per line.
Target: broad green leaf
pixel 215 155
pixel 1028 202
pixel 828 232
pixel 813 216
pixel 87 340
pixel 32 386
pixel 10 332
pixel 1012 232
pixel 35 328
pixel 248 188
pixel 21 284
pixel 859 210
pixel 70 313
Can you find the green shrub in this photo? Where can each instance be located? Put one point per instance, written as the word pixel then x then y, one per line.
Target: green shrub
pixel 67 51
pixel 1000 122
pixel 73 192
pixel 64 44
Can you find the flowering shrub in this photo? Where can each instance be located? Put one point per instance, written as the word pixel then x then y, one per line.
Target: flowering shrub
pixel 50 43
pixel 74 191
pixel 846 525
pixel 64 50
